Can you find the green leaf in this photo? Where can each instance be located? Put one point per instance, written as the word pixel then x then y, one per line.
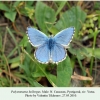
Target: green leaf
pixel 15 62
pixel 28 11
pixel 52 78
pixel 4 82
pixel 38 72
pixel 64 72
pixel 11 15
pixel 26 69
pixel 79 51
pixel 96 5
pixel 29 3
pixel 24 41
pixel 33 82
pixel 36 84
pixel 1 44
pixel 44 16
pixel 3 7
pixel 61 5
pixel 73 17
pixel 16 3
pixel 96 52
pixel 53 30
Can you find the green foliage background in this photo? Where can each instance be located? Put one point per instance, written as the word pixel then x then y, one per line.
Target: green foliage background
pixel 19 68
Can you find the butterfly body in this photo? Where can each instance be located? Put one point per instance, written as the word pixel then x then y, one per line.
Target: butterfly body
pixel 50 49
pixel 51 43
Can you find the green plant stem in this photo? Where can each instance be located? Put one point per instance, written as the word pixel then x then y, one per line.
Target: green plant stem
pixel 68 5
pixel 60 7
pixel 93 49
pixel 82 68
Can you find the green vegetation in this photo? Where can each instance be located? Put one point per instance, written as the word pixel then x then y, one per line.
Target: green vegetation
pixel 18 66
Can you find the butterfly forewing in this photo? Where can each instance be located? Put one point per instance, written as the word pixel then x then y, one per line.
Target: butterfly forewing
pixel 65 36
pixel 36 37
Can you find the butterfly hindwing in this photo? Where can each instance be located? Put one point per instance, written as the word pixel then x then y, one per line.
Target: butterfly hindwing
pixel 65 36
pixel 36 37
pixel 42 53
pixel 58 53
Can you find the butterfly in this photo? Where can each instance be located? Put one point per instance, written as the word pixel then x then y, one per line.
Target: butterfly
pixel 50 49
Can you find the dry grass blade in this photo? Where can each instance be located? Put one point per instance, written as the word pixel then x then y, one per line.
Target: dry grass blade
pixel 79 77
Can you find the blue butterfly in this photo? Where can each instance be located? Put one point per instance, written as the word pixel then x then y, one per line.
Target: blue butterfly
pixel 50 49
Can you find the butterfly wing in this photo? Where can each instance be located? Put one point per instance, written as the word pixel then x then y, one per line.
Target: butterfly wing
pixel 42 54
pixel 65 36
pixel 36 37
pixel 58 53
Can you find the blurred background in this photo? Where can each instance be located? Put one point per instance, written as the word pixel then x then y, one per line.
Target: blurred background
pixel 17 64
